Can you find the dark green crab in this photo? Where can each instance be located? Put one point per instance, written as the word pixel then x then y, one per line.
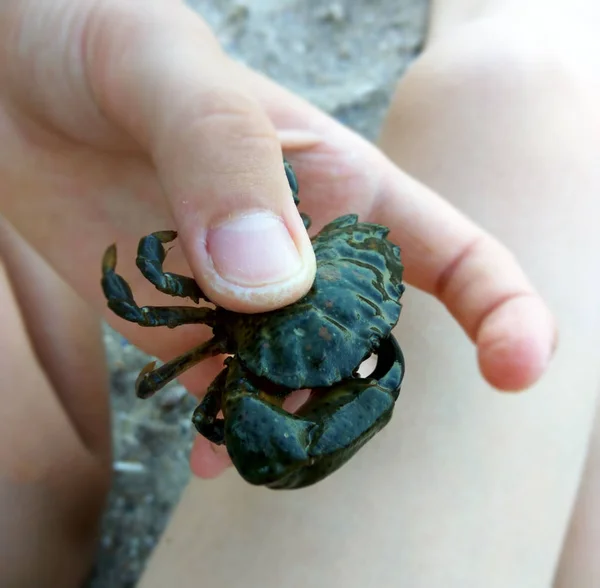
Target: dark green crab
pixel 318 342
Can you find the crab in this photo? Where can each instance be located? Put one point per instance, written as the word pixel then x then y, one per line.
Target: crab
pixel 316 343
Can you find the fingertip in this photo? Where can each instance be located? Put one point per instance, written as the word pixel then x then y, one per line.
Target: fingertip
pixel 512 365
pixel 516 343
pixel 208 461
pixel 255 261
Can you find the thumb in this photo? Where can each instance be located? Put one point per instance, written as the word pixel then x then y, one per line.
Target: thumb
pixel 157 71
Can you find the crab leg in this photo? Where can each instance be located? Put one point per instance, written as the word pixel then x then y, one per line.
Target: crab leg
pixel 205 416
pixel 121 302
pixel 293 182
pixel 150 258
pixel 152 379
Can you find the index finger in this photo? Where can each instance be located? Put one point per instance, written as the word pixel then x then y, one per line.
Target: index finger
pixel 445 253
pixel 475 276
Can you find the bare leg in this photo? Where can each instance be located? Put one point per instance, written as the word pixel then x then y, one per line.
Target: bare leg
pixel 579 564
pixel 467 487
pixel 526 155
pixel 54 439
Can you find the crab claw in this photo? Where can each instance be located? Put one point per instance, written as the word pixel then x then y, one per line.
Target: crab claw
pixel 271 447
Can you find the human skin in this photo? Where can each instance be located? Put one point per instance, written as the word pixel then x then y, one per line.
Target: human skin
pixel 130 147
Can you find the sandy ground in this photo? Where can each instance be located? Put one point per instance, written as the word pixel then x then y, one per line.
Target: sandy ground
pixel 345 57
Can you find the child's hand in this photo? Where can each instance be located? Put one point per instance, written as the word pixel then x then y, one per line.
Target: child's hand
pixel 121 118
